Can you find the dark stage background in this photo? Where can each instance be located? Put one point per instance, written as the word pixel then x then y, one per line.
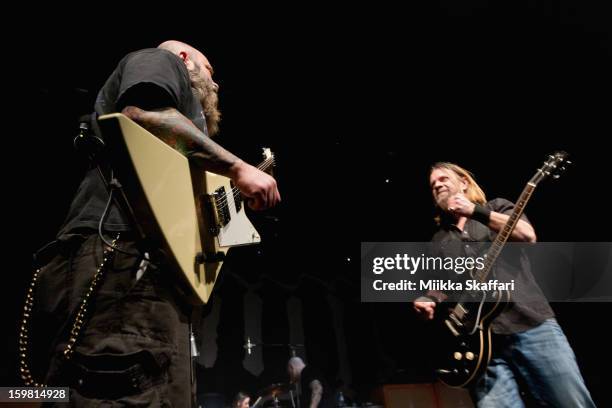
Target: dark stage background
pixel 356 103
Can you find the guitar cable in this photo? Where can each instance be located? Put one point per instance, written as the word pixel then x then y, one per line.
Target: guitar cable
pixel 88 142
pixel 112 185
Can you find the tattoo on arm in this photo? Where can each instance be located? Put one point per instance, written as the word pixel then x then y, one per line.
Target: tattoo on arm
pixel 181 134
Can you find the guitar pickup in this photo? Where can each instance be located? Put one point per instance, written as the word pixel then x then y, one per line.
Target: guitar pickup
pixel 460 311
pixel 455 320
pixel 237 197
pixel 451 328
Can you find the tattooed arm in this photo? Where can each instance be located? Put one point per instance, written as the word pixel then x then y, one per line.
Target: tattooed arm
pixel 316 392
pixel 180 133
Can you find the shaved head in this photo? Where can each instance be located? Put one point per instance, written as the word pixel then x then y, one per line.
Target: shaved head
pixel 177 47
pixel 294 368
pixel 200 74
pixel 296 362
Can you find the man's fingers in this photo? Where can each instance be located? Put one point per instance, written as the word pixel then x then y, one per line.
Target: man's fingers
pixel 259 187
pixel 429 312
pixel 255 203
pixel 258 201
pixel 271 200
pixel 426 312
pixel 133 112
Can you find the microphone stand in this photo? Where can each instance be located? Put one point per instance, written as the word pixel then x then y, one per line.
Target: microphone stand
pixel 249 345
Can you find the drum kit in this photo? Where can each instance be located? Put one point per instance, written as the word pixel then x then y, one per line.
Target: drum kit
pixel 272 395
pixel 281 395
pixel 277 395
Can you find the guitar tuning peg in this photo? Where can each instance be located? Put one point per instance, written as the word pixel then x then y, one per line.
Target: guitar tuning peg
pixel 555 176
pixel 568 162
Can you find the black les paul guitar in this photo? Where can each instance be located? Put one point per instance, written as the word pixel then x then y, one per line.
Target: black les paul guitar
pixel 467 326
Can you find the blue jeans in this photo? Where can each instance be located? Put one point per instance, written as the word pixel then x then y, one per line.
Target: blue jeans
pixel 539 362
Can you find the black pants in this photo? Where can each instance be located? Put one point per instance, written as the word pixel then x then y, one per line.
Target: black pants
pixel 134 347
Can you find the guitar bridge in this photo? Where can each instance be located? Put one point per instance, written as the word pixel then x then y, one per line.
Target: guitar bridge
pixel 219 197
pixel 217 214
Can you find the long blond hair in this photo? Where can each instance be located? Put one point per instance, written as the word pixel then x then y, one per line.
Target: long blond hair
pixel 474 192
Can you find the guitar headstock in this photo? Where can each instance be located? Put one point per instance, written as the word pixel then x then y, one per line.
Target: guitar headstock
pixel 268 162
pixel 553 166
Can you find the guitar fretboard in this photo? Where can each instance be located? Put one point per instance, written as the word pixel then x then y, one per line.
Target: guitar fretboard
pixel 505 233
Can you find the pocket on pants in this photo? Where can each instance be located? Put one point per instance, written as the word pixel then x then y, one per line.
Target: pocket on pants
pixel 116 376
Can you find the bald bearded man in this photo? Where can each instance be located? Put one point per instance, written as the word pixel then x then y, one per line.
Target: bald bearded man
pixel 133 348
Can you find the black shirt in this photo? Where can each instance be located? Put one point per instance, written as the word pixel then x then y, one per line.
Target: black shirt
pixel 528 307
pixel 149 79
pixel 308 375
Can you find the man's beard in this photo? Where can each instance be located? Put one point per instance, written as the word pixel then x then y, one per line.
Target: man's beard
pixel 442 201
pixel 206 92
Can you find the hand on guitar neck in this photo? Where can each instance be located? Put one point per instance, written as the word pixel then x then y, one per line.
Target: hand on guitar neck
pixel 181 134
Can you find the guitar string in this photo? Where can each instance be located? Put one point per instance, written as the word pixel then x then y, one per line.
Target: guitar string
pixel 223 202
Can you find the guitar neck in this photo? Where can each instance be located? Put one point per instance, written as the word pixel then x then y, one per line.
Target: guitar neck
pixel 505 233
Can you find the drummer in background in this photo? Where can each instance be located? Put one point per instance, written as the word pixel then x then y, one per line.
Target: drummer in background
pixel 315 391
pixel 241 400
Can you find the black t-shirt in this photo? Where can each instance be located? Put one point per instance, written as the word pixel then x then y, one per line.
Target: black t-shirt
pixel 308 375
pixel 149 79
pixel 528 307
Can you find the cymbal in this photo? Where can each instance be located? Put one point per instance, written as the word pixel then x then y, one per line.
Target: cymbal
pixel 274 390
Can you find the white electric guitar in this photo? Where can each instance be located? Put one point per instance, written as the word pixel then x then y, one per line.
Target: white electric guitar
pixel 192 215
